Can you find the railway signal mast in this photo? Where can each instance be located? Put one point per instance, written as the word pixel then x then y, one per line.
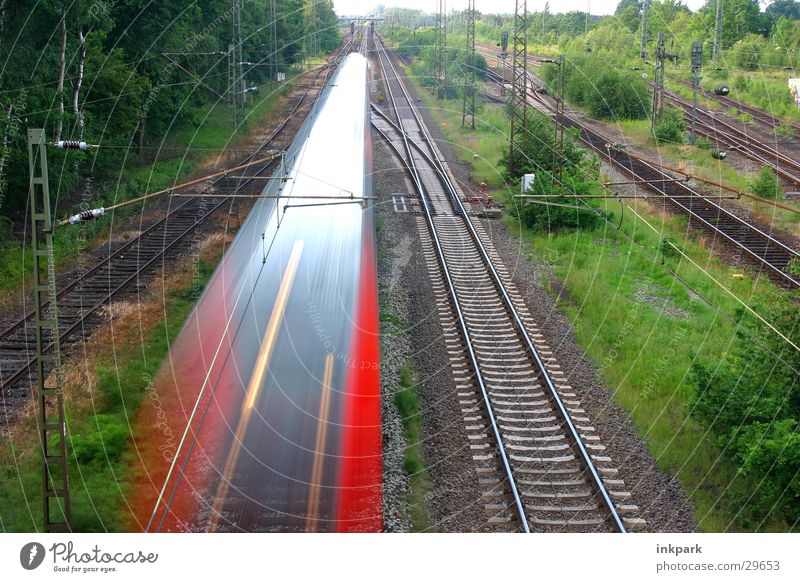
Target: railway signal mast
pixel 470 74
pixel 441 50
pixel 658 81
pixel 697 65
pixel 519 84
pixel 643 39
pixel 717 35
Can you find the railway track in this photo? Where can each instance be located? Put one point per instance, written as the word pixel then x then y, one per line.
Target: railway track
pixel 539 463
pixel 759 248
pixel 759 115
pixel 128 269
pixel 720 131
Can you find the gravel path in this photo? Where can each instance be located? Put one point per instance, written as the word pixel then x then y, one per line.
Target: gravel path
pixel 454 498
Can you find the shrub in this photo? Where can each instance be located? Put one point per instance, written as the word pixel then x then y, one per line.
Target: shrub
pixel 559 214
pixel 606 91
pixel 670 127
pixel 751 406
pixel 6 228
pixel 742 83
pixel 766 184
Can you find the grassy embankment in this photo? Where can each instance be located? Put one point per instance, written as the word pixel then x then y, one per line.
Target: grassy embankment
pixel 638 322
pixel 103 391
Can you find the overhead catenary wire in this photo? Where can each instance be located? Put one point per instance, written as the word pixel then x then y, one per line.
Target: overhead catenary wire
pixel 96 213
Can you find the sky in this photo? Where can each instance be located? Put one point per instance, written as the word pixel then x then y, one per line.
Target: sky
pixel 359 7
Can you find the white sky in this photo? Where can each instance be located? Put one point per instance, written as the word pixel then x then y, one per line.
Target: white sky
pixel 359 7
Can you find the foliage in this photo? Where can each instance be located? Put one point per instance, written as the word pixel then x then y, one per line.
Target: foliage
pixel 607 92
pixel 752 406
pixel 564 213
pixel 148 68
pixel 538 146
pixel 747 52
pixel 670 126
pixel 766 184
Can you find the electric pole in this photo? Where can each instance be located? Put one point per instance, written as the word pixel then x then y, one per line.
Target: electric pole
pixel 470 74
pixel 717 35
pixel 519 85
pixel 643 40
pixel 57 505
pixel 441 50
pixel 658 82
pixel 236 21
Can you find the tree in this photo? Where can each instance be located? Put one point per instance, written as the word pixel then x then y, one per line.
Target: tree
pixel 625 4
pixel 739 17
pixel 783 8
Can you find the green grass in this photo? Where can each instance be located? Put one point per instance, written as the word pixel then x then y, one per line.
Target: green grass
pixel 644 328
pixel 407 402
pixel 100 439
pixel 488 142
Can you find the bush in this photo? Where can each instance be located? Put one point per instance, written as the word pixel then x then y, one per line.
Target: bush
pixel 751 406
pixel 670 127
pixel 742 83
pixel 608 92
pixel 766 184
pixel 538 145
pixel 559 214
pixel 6 228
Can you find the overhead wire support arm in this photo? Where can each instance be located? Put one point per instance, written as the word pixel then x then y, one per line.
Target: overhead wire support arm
pixel 99 212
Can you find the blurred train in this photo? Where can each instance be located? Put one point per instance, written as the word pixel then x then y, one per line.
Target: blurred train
pixel 273 392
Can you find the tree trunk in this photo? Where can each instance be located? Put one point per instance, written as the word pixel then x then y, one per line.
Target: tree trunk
pixel 62 64
pixel 76 91
pixel 2 20
pixel 142 123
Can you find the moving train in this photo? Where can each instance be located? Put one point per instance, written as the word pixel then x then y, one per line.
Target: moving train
pixel 273 392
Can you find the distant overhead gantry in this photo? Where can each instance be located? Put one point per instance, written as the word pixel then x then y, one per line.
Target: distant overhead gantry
pixel 346 20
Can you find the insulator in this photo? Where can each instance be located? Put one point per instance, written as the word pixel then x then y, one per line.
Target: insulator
pixel 722 89
pixel 87 215
pixel 72 145
pixel 719 154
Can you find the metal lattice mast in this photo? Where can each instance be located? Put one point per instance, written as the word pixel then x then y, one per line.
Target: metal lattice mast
pixel 557 175
pixel 519 84
pixel 588 15
pixel 273 39
pixel 470 74
pixel 643 39
pixel 57 506
pixel 233 93
pixel 545 14
pixel 237 47
pixel 658 81
pixel 441 50
pixel 717 35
